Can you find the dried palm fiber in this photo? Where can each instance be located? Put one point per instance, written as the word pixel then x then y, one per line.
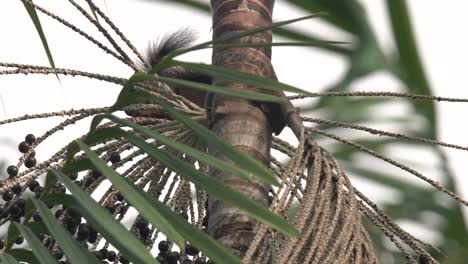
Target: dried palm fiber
pixel 329 210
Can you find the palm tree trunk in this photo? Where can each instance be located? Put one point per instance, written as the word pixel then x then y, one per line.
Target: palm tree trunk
pixel 244 124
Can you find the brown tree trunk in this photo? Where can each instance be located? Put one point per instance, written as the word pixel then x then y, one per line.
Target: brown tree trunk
pixel 244 124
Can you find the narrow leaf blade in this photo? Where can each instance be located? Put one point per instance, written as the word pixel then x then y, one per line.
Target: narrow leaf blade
pixel 75 252
pixel 7 259
pixel 37 23
pixel 103 222
pixel 38 249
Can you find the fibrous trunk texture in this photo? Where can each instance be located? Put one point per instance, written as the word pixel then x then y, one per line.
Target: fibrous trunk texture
pixel 242 123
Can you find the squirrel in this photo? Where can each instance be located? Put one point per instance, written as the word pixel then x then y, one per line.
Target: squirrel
pixel 183 38
pixel 156 51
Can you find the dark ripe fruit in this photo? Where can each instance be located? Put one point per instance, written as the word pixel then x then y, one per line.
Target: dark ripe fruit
pixel 120 197
pixel 58 213
pixel 12 170
pixel 111 256
pixel 37 217
pixel 19 240
pixel 98 254
pixel 58 254
pixel 123 210
pixel 161 259
pixel 30 138
pixel 30 162
pixel 15 211
pixel 163 246
pixel 23 147
pixel 16 189
pixel 7 196
pixel 38 191
pixel 83 228
pixel 141 223
pixel 96 174
pixel 191 250
pixel 74 220
pixel 32 185
pixel 145 232
pixel 92 236
pixel 47 242
pixel 173 257
pixel 60 189
pixel 82 235
pixel 21 203
pixel 200 261
pixel 88 181
pixel 104 253
pixel 114 157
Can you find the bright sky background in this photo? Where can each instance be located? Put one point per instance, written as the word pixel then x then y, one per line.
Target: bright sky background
pixel 439 32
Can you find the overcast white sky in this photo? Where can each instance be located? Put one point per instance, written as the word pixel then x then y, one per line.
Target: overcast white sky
pixel 440 35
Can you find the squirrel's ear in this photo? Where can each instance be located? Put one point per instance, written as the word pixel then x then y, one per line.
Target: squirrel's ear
pixel 180 39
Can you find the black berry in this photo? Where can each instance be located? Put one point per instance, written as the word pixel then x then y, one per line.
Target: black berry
pixel 38 191
pixel 96 174
pixel 23 147
pixel 60 189
pixel 19 240
pixel 12 170
pixel 37 217
pixel 114 157
pixel 141 223
pixel 58 213
pixel 145 232
pixel 104 253
pixel 7 195
pixel 30 138
pixel 92 236
pixel 200 261
pixel 120 197
pixel 15 211
pixel 173 257
pixel 161 259
pixel 32 185
pixel 58 254
pixel 111 256
pixel 191 250
pixel 16 189
pixel 30 162
pixel 163 246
